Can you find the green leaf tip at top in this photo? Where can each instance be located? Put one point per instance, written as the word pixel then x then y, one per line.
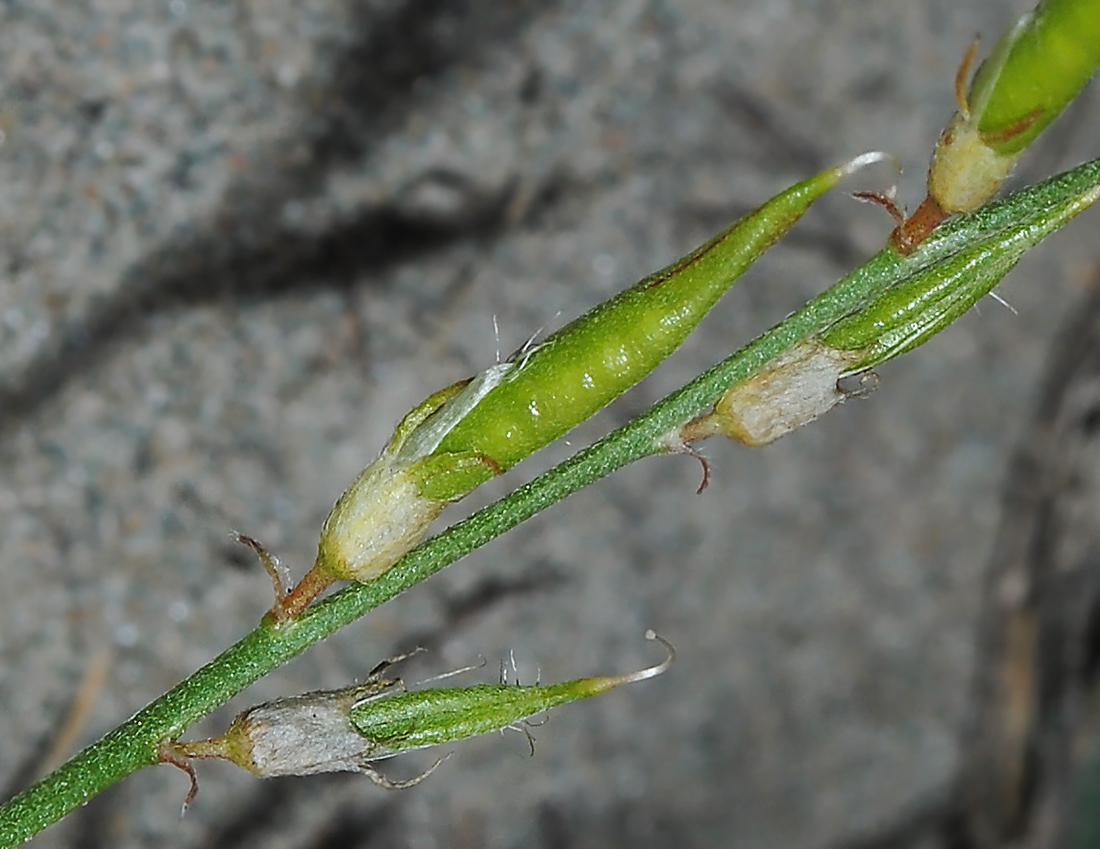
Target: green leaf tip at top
pixel 464 435
pixel 1035 70
pixel 350 729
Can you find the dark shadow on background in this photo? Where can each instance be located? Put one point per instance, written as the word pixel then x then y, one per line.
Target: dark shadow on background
pixel 244 252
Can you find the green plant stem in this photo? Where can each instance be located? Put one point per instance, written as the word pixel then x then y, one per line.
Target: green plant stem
pixel 136 742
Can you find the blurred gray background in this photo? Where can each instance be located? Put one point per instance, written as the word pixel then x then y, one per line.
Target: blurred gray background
pixel 242 238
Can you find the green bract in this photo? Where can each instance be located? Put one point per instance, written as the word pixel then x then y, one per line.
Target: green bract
pixel 909 313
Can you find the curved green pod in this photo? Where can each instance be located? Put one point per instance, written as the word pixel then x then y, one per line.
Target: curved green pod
pixel 593 359
pixel 406 721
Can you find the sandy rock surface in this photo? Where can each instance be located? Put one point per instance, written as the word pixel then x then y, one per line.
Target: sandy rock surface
pixel 240 240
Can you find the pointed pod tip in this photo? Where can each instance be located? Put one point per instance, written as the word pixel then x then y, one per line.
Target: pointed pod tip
pixel 660 668
pixel 872 157
pixel 602 684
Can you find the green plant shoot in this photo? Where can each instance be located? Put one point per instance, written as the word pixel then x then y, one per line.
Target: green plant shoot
pixel 348 730
pixel 462 436
pixel 142 740
pixel 474 429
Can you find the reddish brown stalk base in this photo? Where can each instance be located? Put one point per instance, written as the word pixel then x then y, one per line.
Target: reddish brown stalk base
pixel 917 227
pixel 290 606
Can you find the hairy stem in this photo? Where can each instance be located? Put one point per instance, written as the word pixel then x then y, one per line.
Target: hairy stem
pixel 136 743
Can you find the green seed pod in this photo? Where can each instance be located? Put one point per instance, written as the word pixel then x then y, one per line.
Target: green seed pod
pixel 585 365
pixel 1035 70
pixel 407 721
pixel 348 730
pixel 913 311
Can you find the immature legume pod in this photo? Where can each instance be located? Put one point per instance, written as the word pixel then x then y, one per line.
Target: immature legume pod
pixel 347 730
pixel 585 365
